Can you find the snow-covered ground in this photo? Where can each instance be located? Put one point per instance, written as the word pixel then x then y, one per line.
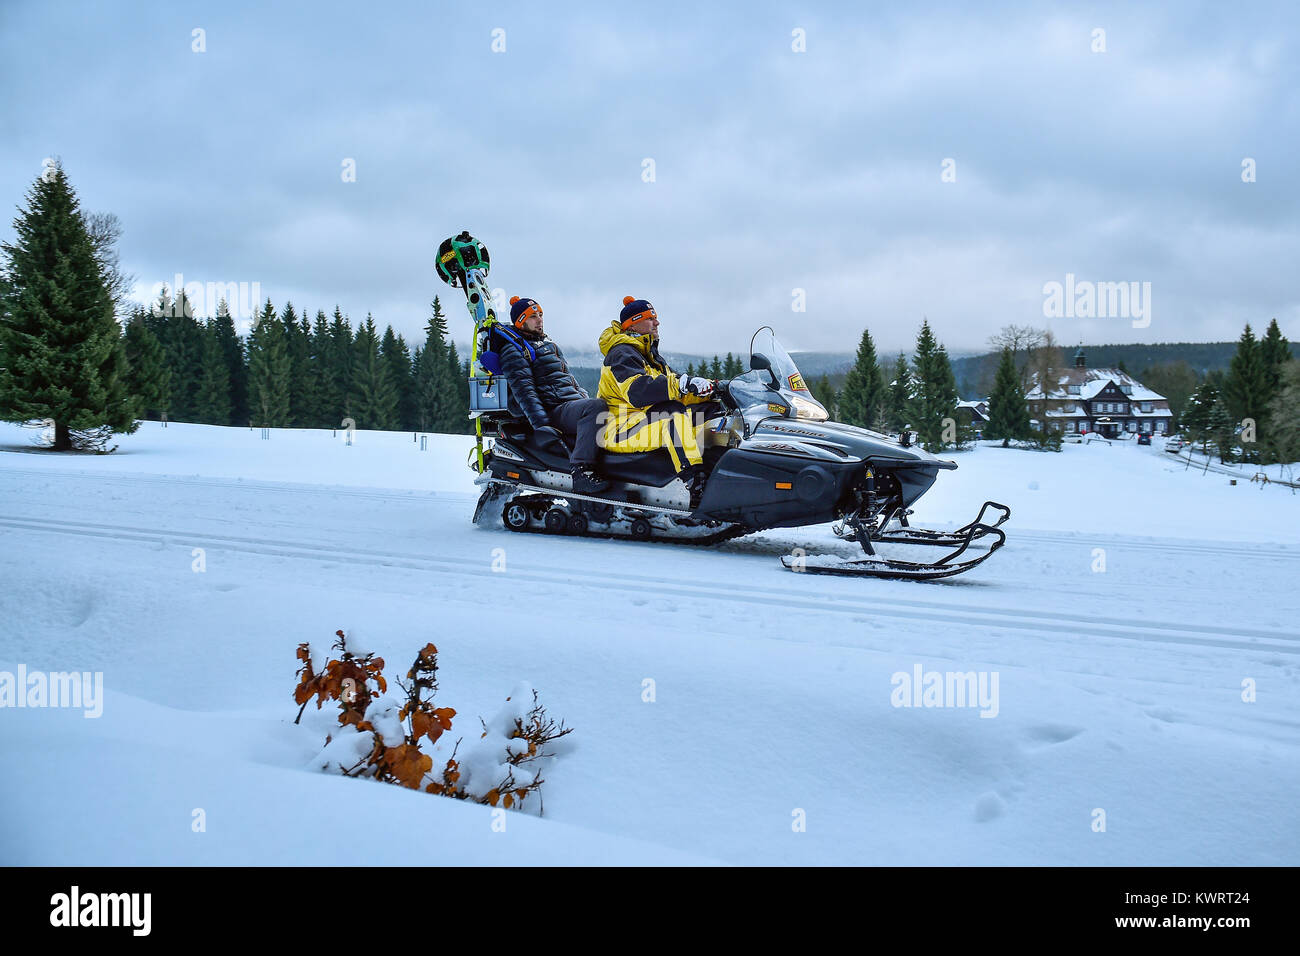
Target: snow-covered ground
pixel 772 736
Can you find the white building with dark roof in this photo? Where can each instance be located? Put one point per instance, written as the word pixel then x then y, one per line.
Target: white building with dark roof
pixel 1103 400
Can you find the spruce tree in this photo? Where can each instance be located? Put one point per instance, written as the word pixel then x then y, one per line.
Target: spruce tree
pixel 862 397
pixel 297 341
pixel 1008 414
pixel 715 369
pixel 936 388
pixel 182 340
pixel 268 371
pixel 340 365
pixel 319 373
pixel 374 399
pixel 62 356
pixel 1196 416
pixel 148 377
pixel 1275 351
pixel 902 398
pixel 398 359
pixel 458 406
pixel 1246 391
pixel 1223 430
pixel 232 353
pixel 827 396
pixel 212 397
pixel 432 389
pixel 1284 415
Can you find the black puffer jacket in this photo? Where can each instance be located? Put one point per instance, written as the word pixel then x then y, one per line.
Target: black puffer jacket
pixel 538 387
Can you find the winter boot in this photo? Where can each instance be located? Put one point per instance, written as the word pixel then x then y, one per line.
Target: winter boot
pixel 586 481
pixel 695 484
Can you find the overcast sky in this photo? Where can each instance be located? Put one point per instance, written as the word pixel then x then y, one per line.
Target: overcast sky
pixel 774 170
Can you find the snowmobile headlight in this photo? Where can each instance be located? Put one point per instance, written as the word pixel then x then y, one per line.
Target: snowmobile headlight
pixel 808 409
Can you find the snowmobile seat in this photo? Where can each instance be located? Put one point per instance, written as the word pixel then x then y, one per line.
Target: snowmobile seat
pixel 652 468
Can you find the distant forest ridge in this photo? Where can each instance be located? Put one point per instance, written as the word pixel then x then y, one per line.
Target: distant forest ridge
pixel 974 372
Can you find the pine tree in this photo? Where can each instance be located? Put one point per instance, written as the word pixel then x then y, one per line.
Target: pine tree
pixel 1008 414
pixel 902 398
pixel 212 397
pixel 458 405
pixel 297 341
pixel 936 389
pixel 432 389
pixel 862 397
pixel 690 370
pixel 320 375
pixel 341 353
pixel 62 356
pixel 148 377
pixel 374 399
pixel 398 359
pixel 1222 430
pixel 268 371
pixel 232 353
pixel 1275 351
pixel 715 368
pixel 1196 416
pixel 181 336
pixel 827 396
pixel 1246 391
pixel 1284 415
pixel 731 367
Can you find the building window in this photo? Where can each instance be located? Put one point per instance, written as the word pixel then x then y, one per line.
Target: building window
pixel 1146 406
pixel 1072 389
pixel 1131 426
pixel 1126 389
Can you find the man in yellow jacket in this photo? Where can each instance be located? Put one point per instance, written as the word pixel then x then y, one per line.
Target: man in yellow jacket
pixel 649 402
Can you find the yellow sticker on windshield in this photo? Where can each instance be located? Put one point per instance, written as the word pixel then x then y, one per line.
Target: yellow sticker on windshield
pixel 779 409
pixel 796 383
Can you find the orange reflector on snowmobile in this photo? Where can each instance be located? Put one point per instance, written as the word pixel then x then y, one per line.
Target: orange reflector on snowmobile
pixel 512 474
pixel 783 486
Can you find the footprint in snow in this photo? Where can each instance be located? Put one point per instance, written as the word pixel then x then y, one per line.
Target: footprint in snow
pixel 1049 735
pixel 989 806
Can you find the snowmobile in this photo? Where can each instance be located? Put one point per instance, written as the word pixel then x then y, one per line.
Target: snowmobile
pixel 772 459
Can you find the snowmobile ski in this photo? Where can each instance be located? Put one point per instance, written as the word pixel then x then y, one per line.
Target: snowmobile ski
pixel 878 566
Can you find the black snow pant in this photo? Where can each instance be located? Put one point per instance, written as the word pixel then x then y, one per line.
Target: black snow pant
pixel 580 418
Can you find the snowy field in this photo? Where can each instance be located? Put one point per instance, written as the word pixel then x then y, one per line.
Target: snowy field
pixel 1133 602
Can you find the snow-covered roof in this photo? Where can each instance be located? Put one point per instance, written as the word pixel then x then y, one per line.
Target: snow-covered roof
pixel 1091 381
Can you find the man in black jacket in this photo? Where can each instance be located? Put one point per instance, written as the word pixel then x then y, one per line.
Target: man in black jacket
pixel 543 390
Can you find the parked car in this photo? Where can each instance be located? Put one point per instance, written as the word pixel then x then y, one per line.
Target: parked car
pixel 1073 437
pixel 1174 444
pixel 1144 439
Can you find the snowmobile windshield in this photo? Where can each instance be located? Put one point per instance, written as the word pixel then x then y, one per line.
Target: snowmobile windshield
pixel 758 386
